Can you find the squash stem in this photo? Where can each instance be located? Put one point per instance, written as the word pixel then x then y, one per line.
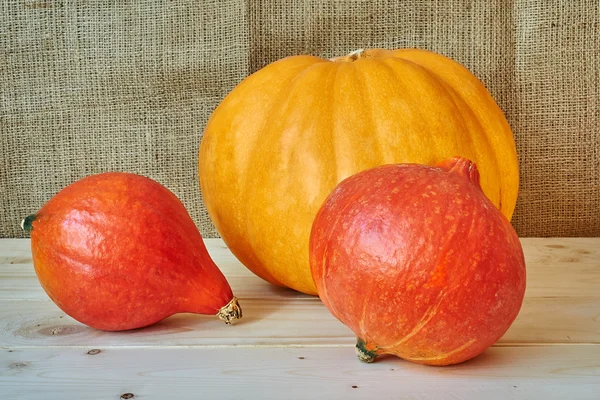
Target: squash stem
pixel 364 355
pixel 231 312
pixel 27 223
pixel 352 56
pixel 356 54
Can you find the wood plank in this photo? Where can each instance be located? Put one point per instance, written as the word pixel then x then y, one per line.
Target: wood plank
pixel 545 372
pixel 562 266
pixel 567 267
pixel 265 322
pixel 276 323
pixel 562 305
pixel 14 249
pixel 556 320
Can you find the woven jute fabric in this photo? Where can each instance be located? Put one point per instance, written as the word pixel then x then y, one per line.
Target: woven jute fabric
pixel 88 86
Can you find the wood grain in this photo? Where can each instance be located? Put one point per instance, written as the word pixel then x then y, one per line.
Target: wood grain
pixel 562 305
pixel 277 323
pixel 546 372
pixel 555 267
pixel 289 346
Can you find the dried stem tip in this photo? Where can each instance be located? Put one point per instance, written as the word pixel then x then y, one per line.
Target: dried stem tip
pixel 231 312
pixel 365 355
pixel 26 224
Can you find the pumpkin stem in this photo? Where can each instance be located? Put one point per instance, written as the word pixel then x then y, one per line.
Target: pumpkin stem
pixel 355 55
pixel 231 312
pixel 352 56
pixel 364 355
pixel 463 167
pixel 27 223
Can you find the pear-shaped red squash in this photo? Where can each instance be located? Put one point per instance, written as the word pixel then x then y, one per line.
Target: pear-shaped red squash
pixel 418 262
pixel 119 251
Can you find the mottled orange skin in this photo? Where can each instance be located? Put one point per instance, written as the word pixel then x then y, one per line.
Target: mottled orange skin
pixel 119 251
pixel 418 262
pixel 280 142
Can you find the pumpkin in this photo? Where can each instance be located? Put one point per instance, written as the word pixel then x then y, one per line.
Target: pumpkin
pixel 119 251
pixel 288 134
pixel 418 262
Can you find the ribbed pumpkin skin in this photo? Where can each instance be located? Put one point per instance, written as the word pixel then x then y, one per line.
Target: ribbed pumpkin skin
pixel 288 134
pixel 119 251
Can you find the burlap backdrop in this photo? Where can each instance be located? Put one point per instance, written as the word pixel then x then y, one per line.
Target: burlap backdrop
pixel 90 86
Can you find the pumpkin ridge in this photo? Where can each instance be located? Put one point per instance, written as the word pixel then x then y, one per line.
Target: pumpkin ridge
pixel 455 97
pixel 238 243
pixel 368 112
pixel 463 106
pixel 334 152
pixel 333 78
pixel 505 134
pixel 277 109
pixel 434 82
pixel 245 187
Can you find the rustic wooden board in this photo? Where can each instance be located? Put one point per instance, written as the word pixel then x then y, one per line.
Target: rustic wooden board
pixel 562 305
pixel 555 267
pixel 279 323
pixel 545 372
pixel 289 346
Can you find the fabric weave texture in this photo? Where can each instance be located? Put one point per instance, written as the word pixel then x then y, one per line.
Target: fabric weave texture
pixel 88 86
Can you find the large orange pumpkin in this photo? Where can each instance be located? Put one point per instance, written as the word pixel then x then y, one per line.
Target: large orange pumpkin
pixel 288 134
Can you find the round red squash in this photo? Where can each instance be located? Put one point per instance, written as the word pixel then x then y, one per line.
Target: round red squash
pixel 418 262
pixel 280 142
pixel 119 251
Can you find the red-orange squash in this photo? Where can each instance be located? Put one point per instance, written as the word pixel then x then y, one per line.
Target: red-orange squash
pixel 285 136
pixel 418 262
pixel 119 251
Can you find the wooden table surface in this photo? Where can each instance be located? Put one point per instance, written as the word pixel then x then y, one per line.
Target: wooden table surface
pixel 288 346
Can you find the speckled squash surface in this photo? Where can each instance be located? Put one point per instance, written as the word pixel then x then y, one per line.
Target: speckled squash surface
pixel 119 251
pixel 418 262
